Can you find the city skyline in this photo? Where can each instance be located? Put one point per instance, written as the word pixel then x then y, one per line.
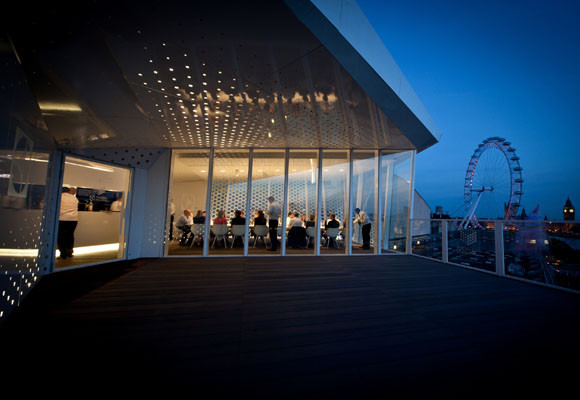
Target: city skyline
pixel 504 69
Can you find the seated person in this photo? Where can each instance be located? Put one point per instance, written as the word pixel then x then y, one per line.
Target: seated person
pixel 184 224
pixel 311 221
pixel 294 220
pixel 237 220
pixel 288 218
pixel 199 217
pixel 259 218
pixel 332 223
pixel 220 219
pixel 297 234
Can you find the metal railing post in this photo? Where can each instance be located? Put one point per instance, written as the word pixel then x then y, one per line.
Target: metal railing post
pixel 444 241
pixel 499 250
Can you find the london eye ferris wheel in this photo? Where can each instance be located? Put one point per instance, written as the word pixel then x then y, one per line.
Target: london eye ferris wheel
pixel 493 182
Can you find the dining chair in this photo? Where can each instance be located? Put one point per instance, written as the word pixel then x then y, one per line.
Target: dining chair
pixel 220 231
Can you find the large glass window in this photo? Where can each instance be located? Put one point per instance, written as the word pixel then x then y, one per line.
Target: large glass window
pixel 228 202
pixel 302 192
pixel 22 199
pixel 266 202
pixel 364 208
pixel 334 204
pixel 380 192
pixel 187 199
pixel 91 225
pixel 394 194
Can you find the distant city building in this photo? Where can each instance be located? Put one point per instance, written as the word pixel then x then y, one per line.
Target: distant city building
pixel 523 215
pixel 439 214
pixel 569 211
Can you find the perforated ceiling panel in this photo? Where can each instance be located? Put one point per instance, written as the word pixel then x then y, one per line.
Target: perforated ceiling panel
pixel 183 74
pixel 129 157
pixel 235 94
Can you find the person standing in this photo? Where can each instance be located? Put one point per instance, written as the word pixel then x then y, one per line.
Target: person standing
pixel 274 212
pixel 117 205
pixel 172 211
pixel 67 222
pixel 363 221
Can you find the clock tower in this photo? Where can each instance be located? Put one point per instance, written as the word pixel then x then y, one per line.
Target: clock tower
pixel 569 211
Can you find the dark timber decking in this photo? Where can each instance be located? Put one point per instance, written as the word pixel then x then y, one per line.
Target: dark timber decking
pixel 353 327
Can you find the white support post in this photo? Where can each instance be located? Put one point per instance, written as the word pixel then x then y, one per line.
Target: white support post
pixel 499 249
pixel 248 197
pixel 444 241
pixel 168 227
pixel 350 204
pixel 208 203
pixel 285 203
pixel 409 246
pixel 389 188
pixel 318 204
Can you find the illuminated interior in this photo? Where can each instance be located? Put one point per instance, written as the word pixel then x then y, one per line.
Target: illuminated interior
pixel 100 232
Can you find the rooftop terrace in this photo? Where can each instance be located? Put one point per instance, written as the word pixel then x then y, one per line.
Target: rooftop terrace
pixel 295 326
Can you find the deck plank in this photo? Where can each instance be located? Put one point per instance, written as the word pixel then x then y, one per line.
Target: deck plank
pixel 303 326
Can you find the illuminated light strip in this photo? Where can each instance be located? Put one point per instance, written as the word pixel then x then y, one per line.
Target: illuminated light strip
pixel 19 252
pixel 46 106
pixel 93 249
pixel 89 166
pixel 10 157
pixel 77 250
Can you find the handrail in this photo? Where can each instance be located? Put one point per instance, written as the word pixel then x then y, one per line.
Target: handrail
pixel 528 250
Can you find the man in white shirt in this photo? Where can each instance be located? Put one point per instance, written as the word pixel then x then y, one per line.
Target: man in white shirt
pixel 363 220
pixel 297 233
pixel 117 204
pixel 67 221
pixel 184 224
pixel 274 212
pixel 295 220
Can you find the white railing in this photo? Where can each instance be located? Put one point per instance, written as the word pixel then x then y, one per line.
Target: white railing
pixel 541 252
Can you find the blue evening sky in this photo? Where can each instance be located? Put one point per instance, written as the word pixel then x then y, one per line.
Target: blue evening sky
pixel 493 68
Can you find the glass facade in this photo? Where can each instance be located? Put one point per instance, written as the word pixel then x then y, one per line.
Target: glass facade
pixel 302 192
pixel 229 195
pixel 267 202
pixel 395 187
pixel 290 202
pixel 334 204
pixel 364 210
pixel 23 176
pixel 96 231
pixel 187 195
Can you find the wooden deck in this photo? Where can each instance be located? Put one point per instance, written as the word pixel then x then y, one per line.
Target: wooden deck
pixel 269 327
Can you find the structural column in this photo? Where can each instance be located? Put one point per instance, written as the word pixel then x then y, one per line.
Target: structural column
pixel 208 204
pixel 285 203
pixel 409 247
pixel 248 198
pixel 49 233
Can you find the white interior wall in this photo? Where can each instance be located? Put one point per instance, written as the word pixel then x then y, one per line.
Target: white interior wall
pixel 105 178
pixel 190 195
